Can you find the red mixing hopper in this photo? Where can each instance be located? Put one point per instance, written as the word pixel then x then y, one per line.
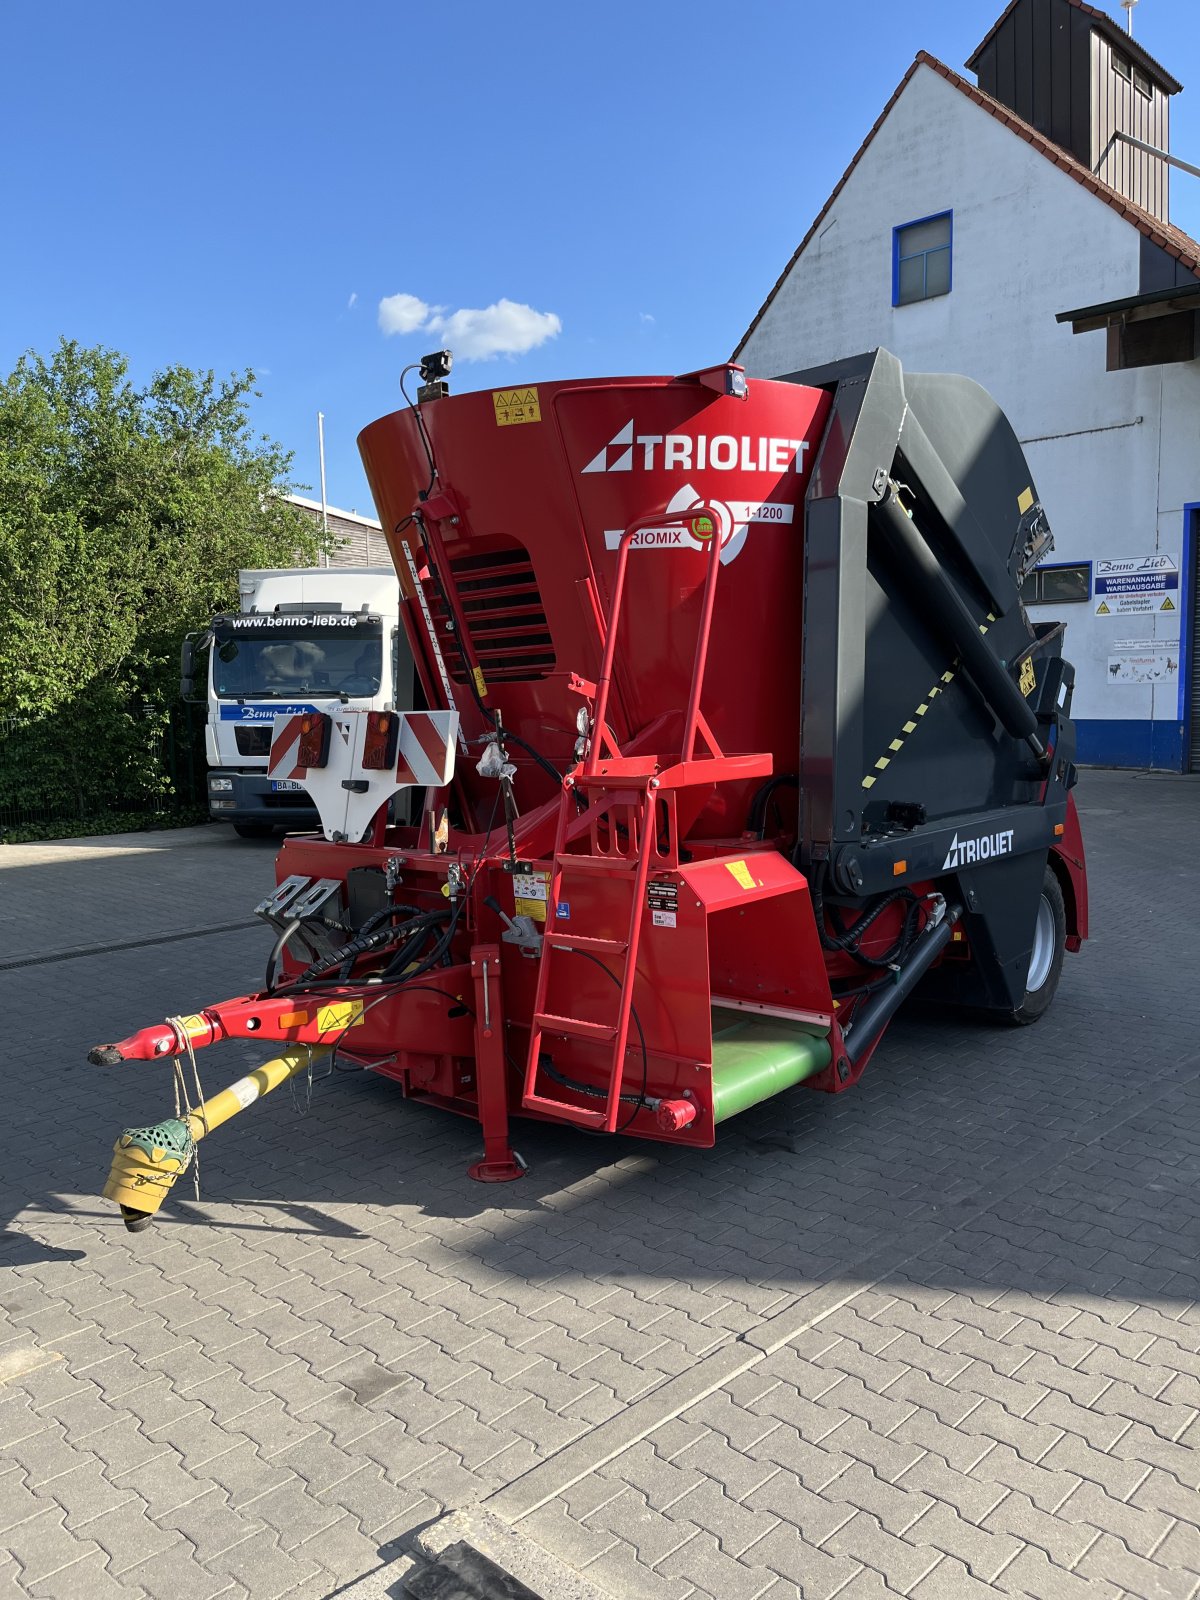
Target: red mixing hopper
pixel 534 488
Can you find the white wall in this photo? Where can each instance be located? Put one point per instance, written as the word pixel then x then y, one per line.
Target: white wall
pixel 1029 241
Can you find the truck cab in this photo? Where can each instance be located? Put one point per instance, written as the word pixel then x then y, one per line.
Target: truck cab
pixel 308 639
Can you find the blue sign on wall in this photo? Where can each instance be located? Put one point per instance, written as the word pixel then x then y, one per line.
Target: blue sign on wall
pixel 1137 583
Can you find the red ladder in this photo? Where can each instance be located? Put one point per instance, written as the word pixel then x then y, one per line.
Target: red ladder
pixel 608 779
pixel 603 795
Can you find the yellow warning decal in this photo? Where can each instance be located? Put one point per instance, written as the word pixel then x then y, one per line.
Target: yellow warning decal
pixel 340 1014
pixel 1028 682
pixel 516 405
pixel 1167 605
pixel 1102 609
pixel 530 893
pixel 195 1027
pixel 741 873
pixel 292 1019
pixel 480 683
pixel 1024 500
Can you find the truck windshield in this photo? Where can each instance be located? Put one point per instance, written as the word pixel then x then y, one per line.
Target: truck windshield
pixel 278 658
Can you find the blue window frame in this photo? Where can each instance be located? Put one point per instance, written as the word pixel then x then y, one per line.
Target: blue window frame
pixel 922 258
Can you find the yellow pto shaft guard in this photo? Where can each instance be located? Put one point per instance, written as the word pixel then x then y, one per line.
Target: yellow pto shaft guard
pixel 147 1161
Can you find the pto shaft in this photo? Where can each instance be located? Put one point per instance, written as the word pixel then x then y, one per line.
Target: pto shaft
pixel 147 1161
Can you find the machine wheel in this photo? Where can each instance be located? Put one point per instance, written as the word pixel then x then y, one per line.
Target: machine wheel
pixel 253 830
pixel 1046 957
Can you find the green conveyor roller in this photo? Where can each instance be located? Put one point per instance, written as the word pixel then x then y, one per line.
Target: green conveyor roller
pixel 757 1057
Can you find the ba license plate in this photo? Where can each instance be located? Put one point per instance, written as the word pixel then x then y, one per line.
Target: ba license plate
pixel 285 783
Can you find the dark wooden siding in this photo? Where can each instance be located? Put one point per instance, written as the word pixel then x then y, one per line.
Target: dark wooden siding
pixel 1119 107
pixel 1039 63
pixel 1048 62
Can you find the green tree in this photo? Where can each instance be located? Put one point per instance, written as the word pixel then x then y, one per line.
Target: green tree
pixel 125 515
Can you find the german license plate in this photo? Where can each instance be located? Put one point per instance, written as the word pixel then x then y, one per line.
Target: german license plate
pixel 278 784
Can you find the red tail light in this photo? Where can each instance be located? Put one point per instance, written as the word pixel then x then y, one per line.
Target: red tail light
pixel 382 738
pixel 313 748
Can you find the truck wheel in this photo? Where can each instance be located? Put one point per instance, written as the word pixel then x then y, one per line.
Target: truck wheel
pixel 253 830
pixel 1046 957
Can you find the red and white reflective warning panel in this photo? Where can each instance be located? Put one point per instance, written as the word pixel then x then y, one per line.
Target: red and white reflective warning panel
pixel 337 756
pixel 426 754
pixel 299 743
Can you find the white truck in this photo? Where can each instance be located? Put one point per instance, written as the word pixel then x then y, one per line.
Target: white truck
pixel 303 639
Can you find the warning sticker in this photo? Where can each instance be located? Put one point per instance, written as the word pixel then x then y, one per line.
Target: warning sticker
pixel 244 1091
pixel 1028 681
pixel 340 1014
pixel 529 895
pixel 1025 500
pixel 1125 605
pixel 514 406
pixel 741 873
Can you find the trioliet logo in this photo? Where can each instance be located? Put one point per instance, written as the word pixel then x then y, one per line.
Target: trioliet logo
pixel 721 452
pixel 969 852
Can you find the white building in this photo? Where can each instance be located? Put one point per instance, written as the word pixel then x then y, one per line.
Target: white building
pixel 1016 235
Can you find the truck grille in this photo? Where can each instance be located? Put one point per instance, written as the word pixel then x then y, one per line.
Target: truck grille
pixel 503 609
pixel 253 741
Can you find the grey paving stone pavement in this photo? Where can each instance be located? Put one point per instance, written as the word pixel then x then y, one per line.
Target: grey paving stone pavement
pixel 938 1336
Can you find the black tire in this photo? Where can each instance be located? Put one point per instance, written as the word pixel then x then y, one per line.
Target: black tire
pixel 1049 948
pixel 253 830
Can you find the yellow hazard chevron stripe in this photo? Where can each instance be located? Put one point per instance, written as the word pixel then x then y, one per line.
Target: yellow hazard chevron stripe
pixel 897 744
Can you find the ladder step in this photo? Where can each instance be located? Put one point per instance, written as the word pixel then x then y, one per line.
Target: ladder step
pixel 576 941
pixel 611 866
pixel 573 1027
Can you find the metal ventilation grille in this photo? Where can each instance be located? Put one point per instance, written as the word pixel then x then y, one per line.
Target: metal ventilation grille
pixel 254 740
pixel 503 610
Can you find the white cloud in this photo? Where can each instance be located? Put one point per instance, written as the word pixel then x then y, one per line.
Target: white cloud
pixel 404 313
pixel 505 328
pixel 353 300
pixel 644 316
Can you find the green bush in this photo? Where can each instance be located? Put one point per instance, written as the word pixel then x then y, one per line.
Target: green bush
pixel 125 516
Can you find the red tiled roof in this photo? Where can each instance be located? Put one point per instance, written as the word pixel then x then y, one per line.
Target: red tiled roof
pixel 1105 24
pixel 1171 239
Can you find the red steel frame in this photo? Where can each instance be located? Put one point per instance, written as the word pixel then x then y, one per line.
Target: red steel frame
pixel 447 1040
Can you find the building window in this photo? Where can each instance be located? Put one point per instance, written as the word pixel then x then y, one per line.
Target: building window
pixel 1121 64
pixel 1058 585
pixel 1141 82
pixel 921 259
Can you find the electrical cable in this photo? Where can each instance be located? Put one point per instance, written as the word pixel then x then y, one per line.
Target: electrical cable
pixel 641 1097
pixel 277 950
pixel 414 366
pixel 429 988
pixel 756 821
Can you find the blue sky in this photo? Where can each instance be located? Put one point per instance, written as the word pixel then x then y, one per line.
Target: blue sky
pixel 242 185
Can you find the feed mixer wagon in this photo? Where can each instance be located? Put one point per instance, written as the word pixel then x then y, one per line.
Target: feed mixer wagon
pixel 733 731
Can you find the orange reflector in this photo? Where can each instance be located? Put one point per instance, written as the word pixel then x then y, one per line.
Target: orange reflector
pixel 379 744
pixel 1059 829
pixel 899 867
pixel 312 750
